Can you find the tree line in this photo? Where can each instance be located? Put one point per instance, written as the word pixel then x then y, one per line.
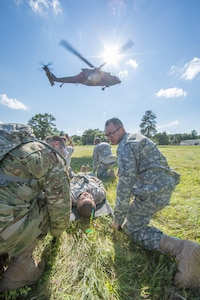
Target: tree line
pixel 44 125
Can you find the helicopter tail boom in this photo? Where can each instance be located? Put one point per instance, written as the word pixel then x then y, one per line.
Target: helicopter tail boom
pixel 50 75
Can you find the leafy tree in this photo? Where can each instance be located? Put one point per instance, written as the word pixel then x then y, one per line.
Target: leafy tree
pixel 148 124
pixel 43 125
pixel 77 139
pixel 89 135
pixel 162 138
pixel 194 134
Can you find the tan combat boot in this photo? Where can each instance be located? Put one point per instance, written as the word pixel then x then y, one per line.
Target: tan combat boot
pixel 87 168
pixel 22 271
pixel 187 254
pixel 83 169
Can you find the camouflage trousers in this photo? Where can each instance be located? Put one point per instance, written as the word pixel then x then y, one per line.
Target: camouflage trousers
pixel 105 170
pixel 22 234
pixel 140 212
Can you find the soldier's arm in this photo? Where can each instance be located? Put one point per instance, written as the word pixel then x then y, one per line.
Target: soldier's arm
pixel 127 175
pixel 57 192
pixel 50 169
pixel 95 161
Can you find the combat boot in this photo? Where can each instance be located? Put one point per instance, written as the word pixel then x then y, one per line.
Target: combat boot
pixel 187 254
pixel 83 169
pixel 87 168
pixel 21 272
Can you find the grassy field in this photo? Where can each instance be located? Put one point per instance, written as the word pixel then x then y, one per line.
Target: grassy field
pixel 105 264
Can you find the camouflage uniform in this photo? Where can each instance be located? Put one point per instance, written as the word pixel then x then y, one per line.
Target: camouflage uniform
pixel 24 214
pixel 144 174
pixel 87 183
pixel 101 152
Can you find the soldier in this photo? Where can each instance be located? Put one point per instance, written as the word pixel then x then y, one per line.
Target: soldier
pixel 28 171
pixel 70 149
pixel 87 191
pixel 103 159
pixel 144 174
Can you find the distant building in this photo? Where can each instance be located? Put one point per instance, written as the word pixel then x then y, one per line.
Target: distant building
pixel 195 142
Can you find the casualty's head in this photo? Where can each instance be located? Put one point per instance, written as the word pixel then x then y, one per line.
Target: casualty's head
pixel 57 142
pixel 86 205
pixel 114 130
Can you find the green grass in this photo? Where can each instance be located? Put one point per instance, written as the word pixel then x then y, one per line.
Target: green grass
pixel 106 264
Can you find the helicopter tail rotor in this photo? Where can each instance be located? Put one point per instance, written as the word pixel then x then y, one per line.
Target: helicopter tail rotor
pixel 50 75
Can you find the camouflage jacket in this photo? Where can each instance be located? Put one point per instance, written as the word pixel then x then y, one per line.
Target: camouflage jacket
pixel 87 183
pixel 100 152
pixel 48 167
pixel 143 170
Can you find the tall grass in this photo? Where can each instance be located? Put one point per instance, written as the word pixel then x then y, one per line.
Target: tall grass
pixel 105 264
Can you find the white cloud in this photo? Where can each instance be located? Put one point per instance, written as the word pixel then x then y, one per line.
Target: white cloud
pixel 123 73
pixel 191 69
pixel 171 93
pixel 42 6
pixel 173 123
pixel 18 2
pixel 132 63
pixel 187 72
pixel 12 103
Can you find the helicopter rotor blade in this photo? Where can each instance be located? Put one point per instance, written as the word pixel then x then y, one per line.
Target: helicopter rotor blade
pixel 126 46
pixel 103 64
pixel 66 45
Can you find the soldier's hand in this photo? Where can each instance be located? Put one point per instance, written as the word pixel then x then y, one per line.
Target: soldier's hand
pixel 115 225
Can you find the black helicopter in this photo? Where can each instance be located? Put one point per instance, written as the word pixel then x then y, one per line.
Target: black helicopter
pixel 90 77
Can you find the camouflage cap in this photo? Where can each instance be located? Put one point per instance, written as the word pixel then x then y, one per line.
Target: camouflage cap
pixel 108 159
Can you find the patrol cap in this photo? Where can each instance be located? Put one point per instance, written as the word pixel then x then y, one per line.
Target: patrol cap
pixel 109 159
pixel 85 205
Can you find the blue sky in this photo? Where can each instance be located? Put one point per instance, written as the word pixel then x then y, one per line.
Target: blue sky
pixel 161 72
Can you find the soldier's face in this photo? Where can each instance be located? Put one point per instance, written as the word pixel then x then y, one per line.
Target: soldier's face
pixel 61 147
pixel 114 133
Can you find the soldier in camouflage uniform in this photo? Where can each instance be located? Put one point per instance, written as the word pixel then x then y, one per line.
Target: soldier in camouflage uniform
pixel 24 214
pixel 103 159
pixel 144 176
pixel 86 191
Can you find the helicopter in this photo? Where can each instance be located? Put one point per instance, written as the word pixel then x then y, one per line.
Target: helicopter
pixel 90 77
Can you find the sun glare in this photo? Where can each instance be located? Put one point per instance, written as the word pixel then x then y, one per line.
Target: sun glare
pixel 111 55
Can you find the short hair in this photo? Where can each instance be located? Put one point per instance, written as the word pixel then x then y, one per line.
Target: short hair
pixel 85 205
pixel 97 139
pixel 55 138
pixel 115 121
